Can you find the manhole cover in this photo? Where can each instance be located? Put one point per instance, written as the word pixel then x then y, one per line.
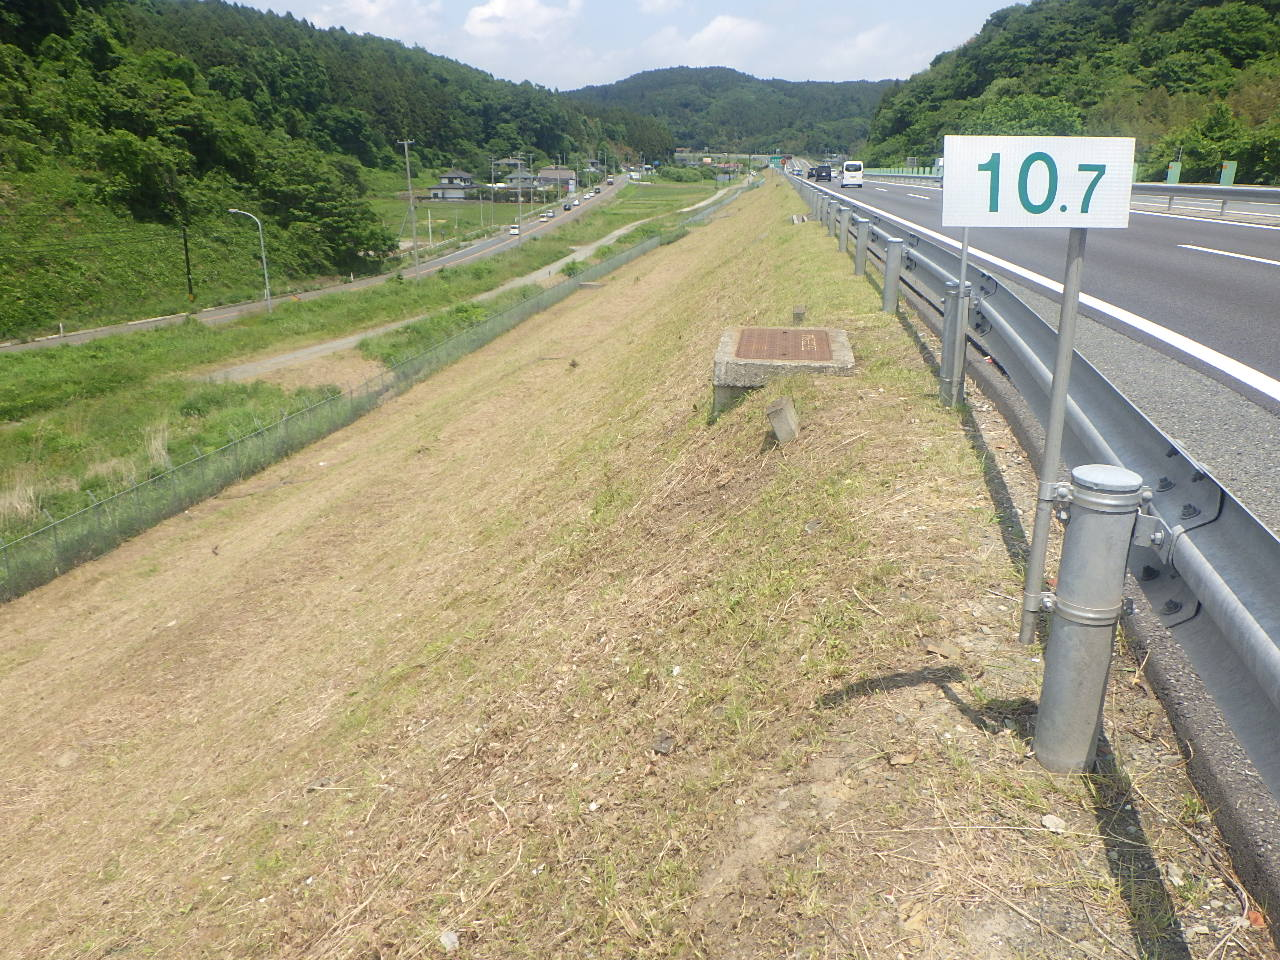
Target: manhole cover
pixel 773 343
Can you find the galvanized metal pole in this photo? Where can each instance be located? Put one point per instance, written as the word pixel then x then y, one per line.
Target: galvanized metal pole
pixel 1090 596
pixel 842 230
pixel 892 273
pixel 950 317
pixel 1033 588
pixel 959 336
pixel 862 228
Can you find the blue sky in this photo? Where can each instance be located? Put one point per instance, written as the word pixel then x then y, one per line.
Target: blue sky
pixel 567 44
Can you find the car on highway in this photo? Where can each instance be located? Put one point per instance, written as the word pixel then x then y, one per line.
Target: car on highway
pixel 811 172
pixel 822 172
pixel 609 181
pixel 568 206
pixel 598 189
pixel 851 173
pixel 577 202
pixel 514 230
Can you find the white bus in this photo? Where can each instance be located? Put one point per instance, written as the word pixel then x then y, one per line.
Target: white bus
pixel 851 174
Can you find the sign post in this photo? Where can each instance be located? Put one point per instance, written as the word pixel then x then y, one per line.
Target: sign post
pixel 1071 182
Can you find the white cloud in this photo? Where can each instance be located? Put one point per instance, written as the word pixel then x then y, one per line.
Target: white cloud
pixel 659 6
pixel 520 19
pixel 726 40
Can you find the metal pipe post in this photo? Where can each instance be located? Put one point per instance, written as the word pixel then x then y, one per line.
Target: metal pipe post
pixel 833 214
pixel 892 273
pixel 862 229
pixel 842 230
pixel 1033 588
pixel 950 317
pixel 1090 596
pixel 959 343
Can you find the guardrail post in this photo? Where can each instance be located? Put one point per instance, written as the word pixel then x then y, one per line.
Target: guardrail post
pixel 862 240
pixel 892 273
pixel 1104 502
pixel 833 214
pixel 842 229
pixel 959 342
pixel 950 317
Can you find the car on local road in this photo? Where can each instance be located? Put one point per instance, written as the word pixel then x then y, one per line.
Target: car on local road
pixel 514 230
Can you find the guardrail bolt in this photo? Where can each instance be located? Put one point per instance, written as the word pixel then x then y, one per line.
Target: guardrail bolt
pixel 1189 510
pixel 1164 485
pixel 1090 598
pixel 1170 607
pixel 1148 573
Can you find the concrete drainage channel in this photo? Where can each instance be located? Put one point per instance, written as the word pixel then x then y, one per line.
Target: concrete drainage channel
pixel 1205 564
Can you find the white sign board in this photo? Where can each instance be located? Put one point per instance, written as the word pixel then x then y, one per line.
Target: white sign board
pixel 1036 181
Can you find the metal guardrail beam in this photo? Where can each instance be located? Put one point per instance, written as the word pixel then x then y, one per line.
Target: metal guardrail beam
pixel 1207 566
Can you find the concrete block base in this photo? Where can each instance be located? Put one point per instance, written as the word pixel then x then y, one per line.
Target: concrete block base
pixel 749 357
pixel 782 418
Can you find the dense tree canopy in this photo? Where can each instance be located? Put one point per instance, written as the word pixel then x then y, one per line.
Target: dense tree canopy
pixel 1195 79
pixel 717 108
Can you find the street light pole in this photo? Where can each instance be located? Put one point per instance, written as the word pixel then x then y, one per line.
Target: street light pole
pixel 413 213
pixel 262 245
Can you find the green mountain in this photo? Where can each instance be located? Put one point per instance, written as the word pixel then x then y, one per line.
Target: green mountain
pixel 715 108
pixel 1190 79
pixel 129 127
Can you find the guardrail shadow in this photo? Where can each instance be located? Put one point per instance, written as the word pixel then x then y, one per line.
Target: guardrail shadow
pixel 1153 919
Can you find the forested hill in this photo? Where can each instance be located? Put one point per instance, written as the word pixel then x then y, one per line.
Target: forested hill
pixel 119 114
pixel 717 108
pixel 1192 78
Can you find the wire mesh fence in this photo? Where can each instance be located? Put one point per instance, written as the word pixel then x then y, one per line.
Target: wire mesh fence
pixel 40 556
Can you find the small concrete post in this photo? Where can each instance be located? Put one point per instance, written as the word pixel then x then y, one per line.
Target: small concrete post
pixel 797 314
pixel 782 418
pixel 862 230
pixel 949 319
pixel 842 229
pixel 1090 597
pixel 892 273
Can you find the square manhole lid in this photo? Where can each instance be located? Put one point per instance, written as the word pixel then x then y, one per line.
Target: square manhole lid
pixel 780 343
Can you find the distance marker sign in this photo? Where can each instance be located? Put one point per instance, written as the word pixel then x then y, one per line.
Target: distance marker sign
pixel 1036 181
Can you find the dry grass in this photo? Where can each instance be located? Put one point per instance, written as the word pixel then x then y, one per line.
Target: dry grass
pixel 534 656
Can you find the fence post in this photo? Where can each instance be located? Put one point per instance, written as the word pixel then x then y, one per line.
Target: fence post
pixel 892 273
pixel 1090 595
pixel 862 228
pixel 842 229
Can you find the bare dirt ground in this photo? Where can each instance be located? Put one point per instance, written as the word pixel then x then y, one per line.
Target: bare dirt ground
pixel 534 662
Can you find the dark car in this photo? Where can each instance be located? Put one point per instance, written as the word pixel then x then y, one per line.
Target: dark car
pixel 822 171
pixel 811 172
pixel 568 206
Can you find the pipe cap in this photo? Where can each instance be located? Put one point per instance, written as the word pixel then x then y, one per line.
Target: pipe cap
pixel 1106 478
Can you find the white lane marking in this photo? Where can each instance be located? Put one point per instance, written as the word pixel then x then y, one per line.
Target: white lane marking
pixel 1268 386
pixel 1226 223
pixel 919 196
pixel 1228 253
pixel 882 189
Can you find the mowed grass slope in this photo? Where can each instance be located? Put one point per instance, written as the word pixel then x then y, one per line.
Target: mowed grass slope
pixel 536 658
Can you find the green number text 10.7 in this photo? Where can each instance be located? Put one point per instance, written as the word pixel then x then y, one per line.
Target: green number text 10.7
pixel 992 166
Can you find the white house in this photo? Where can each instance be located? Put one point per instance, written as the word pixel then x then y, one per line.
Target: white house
pixel 454 184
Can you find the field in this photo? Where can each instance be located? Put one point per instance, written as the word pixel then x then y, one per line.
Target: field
pixel 535 661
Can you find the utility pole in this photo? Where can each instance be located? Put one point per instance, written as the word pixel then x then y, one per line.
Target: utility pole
pixel 413 215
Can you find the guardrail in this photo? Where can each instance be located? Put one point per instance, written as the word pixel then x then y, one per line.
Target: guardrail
pixel 1207 566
